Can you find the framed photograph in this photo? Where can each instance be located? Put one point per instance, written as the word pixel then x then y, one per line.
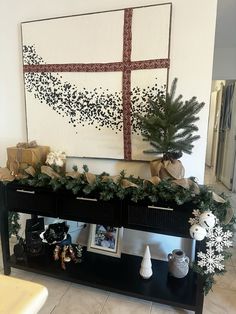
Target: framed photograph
pixel 105 240
pixel 93 82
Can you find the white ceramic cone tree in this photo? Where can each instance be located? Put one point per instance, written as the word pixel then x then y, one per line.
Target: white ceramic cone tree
pixel 146 265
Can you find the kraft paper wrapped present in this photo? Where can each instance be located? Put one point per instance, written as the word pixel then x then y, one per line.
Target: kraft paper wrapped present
pixel 22 156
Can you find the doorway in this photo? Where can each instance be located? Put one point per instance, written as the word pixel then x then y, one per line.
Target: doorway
pixel 221 140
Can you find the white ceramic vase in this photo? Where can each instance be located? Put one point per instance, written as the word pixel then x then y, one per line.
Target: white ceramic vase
pixel 178 264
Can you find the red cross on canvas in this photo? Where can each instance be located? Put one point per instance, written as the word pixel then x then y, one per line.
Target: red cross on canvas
pixel 125 66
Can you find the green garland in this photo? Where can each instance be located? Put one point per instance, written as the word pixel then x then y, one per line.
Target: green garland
pixel 108 189
pixel 138 190
pixel 13 224
pixel 207 203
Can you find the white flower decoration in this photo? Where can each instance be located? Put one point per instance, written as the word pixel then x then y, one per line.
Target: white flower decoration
pixel 56 158
pixel 196 213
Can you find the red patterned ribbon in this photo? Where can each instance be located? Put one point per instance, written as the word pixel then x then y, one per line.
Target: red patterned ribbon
pixel 97 67
pixel 126 83
pixel 126 66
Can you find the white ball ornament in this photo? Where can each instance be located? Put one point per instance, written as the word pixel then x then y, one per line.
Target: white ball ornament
pixel 207 220
pixel 197 232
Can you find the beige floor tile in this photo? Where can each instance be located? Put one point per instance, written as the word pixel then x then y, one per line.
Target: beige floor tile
pixel 56 290
pixel 118 304
pixel 21 274
pixel 233 258
pixel 220 301
pixel 164 309
pixel 81 300
pixel 228 280
pixel 1 262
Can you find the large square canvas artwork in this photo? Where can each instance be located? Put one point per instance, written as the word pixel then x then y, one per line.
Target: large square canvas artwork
pixel 87 77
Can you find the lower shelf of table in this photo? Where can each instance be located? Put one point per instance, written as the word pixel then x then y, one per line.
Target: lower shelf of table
pixel 120 275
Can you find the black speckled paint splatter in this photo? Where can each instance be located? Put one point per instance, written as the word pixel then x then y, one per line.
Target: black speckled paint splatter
pixel 83 107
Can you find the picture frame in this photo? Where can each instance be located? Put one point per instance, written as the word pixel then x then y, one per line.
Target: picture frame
pixel 99 80
pixel 105 240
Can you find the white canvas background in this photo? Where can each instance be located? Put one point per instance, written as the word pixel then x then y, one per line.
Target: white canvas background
pixel 144 78
pixel 150 32
pixel 94 38
pixel 89 38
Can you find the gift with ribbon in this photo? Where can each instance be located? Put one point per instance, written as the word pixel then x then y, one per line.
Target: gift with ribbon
pixel 24 155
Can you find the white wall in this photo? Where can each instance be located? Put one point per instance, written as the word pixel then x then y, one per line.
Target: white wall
pixel 224 63
pixel 192 43
pixel 229 149
pixel 225 41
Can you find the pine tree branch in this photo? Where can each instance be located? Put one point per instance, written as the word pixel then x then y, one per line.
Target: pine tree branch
pixel 170 122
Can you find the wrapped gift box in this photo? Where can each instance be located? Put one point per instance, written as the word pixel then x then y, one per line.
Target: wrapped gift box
pixel 25 157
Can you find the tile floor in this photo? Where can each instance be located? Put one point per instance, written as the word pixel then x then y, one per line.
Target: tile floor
pixel 65 297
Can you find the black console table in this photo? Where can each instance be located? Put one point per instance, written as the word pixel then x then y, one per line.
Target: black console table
pixel 120 275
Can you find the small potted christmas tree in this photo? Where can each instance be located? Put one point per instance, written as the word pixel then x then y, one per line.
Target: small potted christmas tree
pixel 169 126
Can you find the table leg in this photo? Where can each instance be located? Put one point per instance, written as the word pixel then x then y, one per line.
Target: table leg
pixel 4 235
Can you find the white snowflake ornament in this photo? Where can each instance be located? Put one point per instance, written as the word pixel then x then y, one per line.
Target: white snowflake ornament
pixel 197 232
pixel 219 239
pixel 207 220
pixel 210 261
